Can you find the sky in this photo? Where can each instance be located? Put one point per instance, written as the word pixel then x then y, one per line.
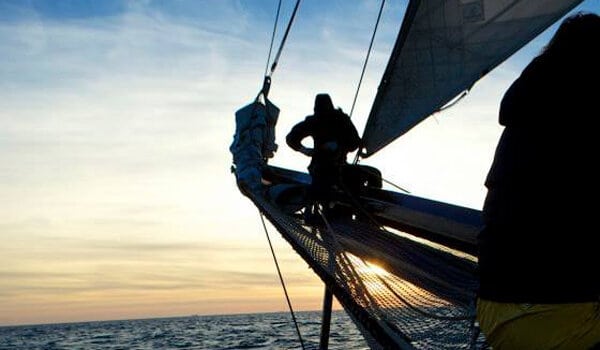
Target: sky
pixel 116 198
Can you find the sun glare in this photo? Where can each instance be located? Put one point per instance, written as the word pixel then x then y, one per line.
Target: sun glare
pixel 374 269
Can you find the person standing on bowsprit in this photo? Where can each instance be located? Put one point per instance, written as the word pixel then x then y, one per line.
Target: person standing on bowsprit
pixel 334 136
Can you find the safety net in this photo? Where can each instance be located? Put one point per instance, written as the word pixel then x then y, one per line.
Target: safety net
pixel 402 292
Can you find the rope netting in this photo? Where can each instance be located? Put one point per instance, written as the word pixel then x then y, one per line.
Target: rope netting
pixel 400 292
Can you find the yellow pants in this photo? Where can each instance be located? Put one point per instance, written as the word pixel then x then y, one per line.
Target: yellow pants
pixel 540 326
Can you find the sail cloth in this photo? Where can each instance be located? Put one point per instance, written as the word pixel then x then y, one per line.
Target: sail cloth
pixel 253 142
pixel 443 48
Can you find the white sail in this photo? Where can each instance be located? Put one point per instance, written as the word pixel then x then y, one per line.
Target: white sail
pixel 443 48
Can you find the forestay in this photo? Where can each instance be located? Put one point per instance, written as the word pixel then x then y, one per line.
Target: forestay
pixel 443 48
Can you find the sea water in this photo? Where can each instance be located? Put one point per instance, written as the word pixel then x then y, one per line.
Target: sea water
pixel 249 331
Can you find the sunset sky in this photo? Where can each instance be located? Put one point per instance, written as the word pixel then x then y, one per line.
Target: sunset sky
pixel 116 199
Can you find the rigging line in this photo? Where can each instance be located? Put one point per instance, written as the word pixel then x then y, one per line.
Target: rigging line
pixel 283 40
pixel 357 155
pixel 367 170
pixel 273 37
pixel 367 58
pixel 394 185
pixel 262 219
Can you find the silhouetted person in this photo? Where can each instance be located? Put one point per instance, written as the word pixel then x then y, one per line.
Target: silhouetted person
pixel 334 136
pixel 539 260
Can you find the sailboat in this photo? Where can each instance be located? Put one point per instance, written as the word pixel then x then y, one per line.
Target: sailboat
pixel 403 267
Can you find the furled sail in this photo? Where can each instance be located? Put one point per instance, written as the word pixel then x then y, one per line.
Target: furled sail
pixel 443 48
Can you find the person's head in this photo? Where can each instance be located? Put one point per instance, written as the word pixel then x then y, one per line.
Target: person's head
pixel 323 104
pixel 577 37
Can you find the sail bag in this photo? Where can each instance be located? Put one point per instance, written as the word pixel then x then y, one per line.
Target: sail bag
pixel 253 142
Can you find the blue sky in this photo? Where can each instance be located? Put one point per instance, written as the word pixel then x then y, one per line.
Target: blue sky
pixel 116 199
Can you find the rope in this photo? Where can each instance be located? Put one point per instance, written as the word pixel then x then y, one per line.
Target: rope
pixel 367 58
pixel 394 185
pixel 384 180
pixel 273 37
pixel 362 74
pixel 264 91
pixel 287 31
pixel 287 298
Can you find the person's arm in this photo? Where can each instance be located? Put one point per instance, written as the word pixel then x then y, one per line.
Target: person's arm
pixel 296 135
pixel 354 140
pixel 350 135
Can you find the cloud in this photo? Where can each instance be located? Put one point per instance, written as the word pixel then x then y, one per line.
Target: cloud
pixel 116 120
pixel 60 10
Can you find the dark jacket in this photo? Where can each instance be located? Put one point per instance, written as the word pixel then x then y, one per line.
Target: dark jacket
pixel 334 126
pixel 538 244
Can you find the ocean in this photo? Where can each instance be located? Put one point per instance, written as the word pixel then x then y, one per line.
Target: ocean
pixel 249 331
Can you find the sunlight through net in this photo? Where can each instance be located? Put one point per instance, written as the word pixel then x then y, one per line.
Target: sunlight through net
pixel 400 292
